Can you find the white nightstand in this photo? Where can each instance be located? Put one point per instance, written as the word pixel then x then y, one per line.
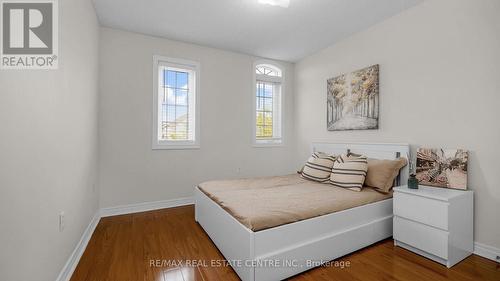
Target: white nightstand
pixel 436 223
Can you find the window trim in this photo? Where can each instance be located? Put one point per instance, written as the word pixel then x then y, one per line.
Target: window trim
pixel 271 142
pixel 179 63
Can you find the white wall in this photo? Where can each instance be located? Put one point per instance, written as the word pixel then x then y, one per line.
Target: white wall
pixel 130 171
pixel 439 87
pixel 48 152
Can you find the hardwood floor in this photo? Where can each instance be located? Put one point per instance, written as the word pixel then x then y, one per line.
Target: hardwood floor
pixel 140 246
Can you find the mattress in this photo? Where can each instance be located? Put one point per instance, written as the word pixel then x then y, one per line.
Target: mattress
pixel 262 203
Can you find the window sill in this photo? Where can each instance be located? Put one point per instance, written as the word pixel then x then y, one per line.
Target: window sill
pixel 180 146
pixel 269 144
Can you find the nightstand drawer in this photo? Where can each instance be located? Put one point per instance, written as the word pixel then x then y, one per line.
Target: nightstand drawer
pixel 428 211
pixel 421 236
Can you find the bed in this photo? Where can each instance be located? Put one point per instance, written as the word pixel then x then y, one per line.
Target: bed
pixel 269 240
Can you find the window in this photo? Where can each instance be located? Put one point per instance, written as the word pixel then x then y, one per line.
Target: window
pixel 175 104
pixel 268 99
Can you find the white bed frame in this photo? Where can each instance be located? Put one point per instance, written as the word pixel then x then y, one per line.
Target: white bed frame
pixel 283 251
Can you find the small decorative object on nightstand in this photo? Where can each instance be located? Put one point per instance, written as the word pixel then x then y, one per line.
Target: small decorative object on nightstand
pixel 412 179
pixel 412 182
pixel 436 223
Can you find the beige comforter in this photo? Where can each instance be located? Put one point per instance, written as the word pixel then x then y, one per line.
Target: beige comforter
pixel 261 203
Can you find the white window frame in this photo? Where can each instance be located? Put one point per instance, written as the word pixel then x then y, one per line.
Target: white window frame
pixel 257 77
pixel 194 66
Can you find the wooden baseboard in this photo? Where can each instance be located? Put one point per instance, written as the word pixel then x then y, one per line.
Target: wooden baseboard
pixel 77 253
pixel 487 251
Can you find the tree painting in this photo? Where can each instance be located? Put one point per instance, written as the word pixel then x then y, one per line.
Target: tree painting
pixel 352 100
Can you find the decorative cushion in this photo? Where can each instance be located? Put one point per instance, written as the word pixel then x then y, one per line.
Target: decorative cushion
pixel 318 167
pixel 381 173
pixel 349 172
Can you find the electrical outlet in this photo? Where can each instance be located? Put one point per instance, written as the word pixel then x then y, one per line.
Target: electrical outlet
pixel 93 187
pixel 62 222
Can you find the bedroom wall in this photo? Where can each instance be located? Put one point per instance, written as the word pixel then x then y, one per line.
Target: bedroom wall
pixel 130 171
pixel 48 148
pixel 439 87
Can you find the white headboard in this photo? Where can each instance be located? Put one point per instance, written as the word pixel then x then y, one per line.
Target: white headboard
pixel 370 150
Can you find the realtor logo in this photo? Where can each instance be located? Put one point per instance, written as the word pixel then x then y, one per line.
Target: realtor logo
pixel 29 34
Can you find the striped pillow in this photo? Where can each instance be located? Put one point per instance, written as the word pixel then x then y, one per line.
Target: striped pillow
pixel 349 172
pixel 318 167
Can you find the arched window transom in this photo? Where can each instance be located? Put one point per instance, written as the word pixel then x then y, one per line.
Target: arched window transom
pixel 268 70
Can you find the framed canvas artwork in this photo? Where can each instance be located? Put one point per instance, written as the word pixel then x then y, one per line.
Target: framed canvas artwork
pixel 352 100
pixel 442 167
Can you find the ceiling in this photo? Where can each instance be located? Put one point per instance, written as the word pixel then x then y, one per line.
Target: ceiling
pixel 246 26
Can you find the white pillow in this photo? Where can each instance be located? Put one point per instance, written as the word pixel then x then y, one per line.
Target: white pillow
pixel 318 167
pixel 349 172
